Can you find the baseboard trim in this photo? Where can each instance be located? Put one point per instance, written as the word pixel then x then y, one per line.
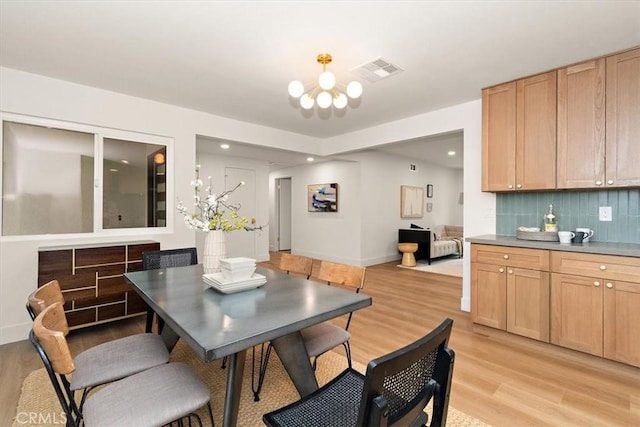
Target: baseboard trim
pixel 14 333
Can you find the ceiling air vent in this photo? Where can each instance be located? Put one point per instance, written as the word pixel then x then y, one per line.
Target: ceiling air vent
pixel 377 69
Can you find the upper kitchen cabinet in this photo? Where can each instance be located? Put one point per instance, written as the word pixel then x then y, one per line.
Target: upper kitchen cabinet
pixel 591 140
pixel 499 137
pixel 536 133
pixel 623 119
pixel 519 135
pixel 581 125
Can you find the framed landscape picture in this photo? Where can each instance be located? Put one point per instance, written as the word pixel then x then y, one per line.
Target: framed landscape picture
pixel 411 201
pixel 323 198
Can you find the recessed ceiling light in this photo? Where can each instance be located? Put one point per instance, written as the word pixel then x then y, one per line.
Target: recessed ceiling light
pixel 451 153
pixel 224 146
pixel 310 159
pixel 126 162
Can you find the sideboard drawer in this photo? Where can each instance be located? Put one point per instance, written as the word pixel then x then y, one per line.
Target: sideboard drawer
pixel 533 259
pixel 605 266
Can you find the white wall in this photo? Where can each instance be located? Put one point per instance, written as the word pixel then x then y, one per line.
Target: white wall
pixel 332 236
pixel 380 181
pixel 376 182
pixel 479 208
pixel 30 94
pixel 34 95
pixel 215 166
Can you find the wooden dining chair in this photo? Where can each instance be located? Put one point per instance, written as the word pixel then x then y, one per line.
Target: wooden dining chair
pixel 106 362
pixel 156 396
pixel 395 390
pixel 323 337
pixel 320 338
pixel 167 258
pixel 296 264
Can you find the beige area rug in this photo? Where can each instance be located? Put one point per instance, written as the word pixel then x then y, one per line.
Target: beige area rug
pixel 39 398
pixel 446 266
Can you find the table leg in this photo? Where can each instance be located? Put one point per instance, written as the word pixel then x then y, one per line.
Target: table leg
pixel 169 337
pixel 294 357
pixel 234 389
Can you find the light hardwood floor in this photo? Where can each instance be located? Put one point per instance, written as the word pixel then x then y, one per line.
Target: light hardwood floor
pixel 498 378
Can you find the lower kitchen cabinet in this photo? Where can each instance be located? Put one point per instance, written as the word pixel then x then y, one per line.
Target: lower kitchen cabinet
pixel 587 302
pixel 595 309
pixel 576 313
pixel 508 296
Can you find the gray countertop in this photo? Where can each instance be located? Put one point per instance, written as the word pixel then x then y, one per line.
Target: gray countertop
pixel 602 248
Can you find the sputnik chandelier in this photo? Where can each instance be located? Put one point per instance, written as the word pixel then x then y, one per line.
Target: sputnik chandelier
pixel 326 92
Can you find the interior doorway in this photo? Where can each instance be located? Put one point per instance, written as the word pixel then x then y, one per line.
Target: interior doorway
pixel 283 213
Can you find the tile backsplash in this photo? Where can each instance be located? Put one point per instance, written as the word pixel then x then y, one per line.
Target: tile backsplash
pixel 573 209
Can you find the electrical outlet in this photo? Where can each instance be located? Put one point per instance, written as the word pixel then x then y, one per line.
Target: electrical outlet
pixel 605 213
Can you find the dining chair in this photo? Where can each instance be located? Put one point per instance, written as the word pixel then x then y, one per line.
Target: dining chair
pixel 320 338
pixel 323 337
pixel 154 397
pixel 289 263
pixel 153 260
pixel 296 264
pixel 106 362
pixel 395 390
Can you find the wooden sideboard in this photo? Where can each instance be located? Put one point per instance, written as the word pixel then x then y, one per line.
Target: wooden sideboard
pixel 91 278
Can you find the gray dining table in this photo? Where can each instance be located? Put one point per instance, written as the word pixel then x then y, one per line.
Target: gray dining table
pixel 216 325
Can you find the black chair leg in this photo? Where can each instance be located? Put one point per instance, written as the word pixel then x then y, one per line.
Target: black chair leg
pixel 347 349
pixel 210 414
pixel 160 325
pixel 264 361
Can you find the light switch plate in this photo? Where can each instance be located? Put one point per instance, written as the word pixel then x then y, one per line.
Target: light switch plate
pixel 605 213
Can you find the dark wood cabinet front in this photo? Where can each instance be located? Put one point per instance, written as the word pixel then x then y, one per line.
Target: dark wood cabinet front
pixel 92 280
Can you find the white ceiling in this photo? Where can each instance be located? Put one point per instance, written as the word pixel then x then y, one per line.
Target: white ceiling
pixel 236 58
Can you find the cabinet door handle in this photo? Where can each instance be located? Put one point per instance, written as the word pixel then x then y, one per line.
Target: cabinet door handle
pixel 609 285
pixel 610 182
pixel 603 267
pixel 505 256
pixel 596 284
pixel 510 186
pixel 501 270
pixel 598 182
pixel 510 271
pixel 519 186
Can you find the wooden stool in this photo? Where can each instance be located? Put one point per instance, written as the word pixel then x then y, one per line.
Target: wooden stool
pixel 407 249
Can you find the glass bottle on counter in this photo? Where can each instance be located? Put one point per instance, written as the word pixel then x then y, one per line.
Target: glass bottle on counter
pixel 550 221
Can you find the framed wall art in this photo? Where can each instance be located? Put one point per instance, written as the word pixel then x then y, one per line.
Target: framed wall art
pixel 323 198
pixel 411 202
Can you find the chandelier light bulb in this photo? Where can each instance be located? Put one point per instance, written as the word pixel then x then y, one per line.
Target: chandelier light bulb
pixel 296 88
pixel 354 89
pixel 306 101
pixel 324 99
pixel 340 101
pixel 327 80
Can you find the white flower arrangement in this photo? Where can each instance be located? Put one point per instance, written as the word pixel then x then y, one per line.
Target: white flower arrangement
pixel 210 210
